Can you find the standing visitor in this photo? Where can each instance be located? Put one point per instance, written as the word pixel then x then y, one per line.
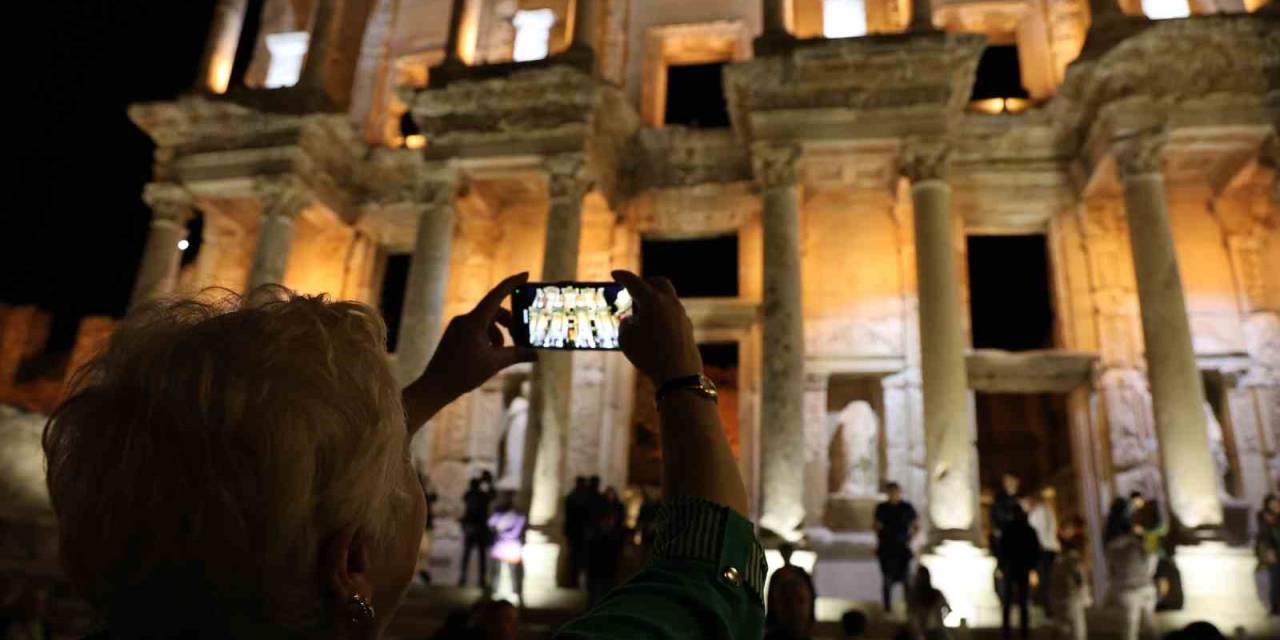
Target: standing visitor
pixel 475 530
pixel 508 527
pixel 1068 586
pixel 1044 520
pixel 790 610
pixel 895 524
pixel 1018 556
pixel 1268 546
pixel 1131 586
pixel 428 535
pixel 576 506
pixel 607 535
pixel 1003 508
pixel 927 609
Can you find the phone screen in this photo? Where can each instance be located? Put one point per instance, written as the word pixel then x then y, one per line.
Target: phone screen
pixel 568 315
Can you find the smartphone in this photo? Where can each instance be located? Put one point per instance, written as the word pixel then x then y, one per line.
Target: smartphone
pixel 583 316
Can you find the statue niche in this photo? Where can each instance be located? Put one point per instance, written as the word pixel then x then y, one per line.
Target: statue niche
pixel 855 452
pixel 515 422
pixel 853 477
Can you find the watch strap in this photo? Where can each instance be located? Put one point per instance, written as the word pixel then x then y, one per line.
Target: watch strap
pixel 697 383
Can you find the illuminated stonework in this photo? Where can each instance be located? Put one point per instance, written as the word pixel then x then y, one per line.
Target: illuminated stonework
pixel 853 167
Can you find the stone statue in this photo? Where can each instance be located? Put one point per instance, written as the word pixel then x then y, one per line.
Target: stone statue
pixel 511 445
pixel 1218 448
pixel 855 472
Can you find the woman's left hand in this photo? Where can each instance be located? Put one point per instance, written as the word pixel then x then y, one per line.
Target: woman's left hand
pixel 471 351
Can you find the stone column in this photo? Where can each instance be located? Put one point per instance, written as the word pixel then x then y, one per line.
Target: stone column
pixel 584 21
pixel 453 40
pixel 1177 392
pixel 550 407
pixel 282 201
pixel 422 317
pixel 921 16
pixel 782 467
pixel 774 37
pixel 171 208
pixel 949 434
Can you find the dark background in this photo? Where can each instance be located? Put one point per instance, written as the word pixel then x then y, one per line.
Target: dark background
pixel 73 218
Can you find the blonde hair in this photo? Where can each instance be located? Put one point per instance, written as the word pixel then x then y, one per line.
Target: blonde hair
pixel 212 448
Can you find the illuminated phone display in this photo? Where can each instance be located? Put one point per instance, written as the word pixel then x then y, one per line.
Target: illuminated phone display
pixel 569 315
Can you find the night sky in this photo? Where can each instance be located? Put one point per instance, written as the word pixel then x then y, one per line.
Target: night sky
pixel 73 221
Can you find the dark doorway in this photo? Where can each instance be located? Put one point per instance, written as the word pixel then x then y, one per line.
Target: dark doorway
pixel 695 96
pixel 391 300
pixel 720 363
pixel 1028 435
pixel 194 240
pixel 701 268
pixel 998 74
pixel 1009 300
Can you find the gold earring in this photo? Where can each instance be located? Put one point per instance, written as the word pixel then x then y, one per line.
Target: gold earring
pixel 360 609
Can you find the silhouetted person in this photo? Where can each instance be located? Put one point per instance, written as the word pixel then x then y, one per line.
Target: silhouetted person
pixel 1003 508
pixel 790 608
pixel 577 506
pixel 475 530
pixel 1018 556
pixel 1068 586
pixel 1268 547
pixel 1043 518
pixel 1119 523
pixel 1131 586
pixel 927 609
pixel 608 533
pixel 854 624
pixel 895 523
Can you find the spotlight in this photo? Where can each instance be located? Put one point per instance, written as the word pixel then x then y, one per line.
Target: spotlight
pixel 183 244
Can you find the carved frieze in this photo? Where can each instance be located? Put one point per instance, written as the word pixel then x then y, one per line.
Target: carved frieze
pixel 678 156
pixel 285 196
pixel 853 336
pixel 525 104
pixel 693 211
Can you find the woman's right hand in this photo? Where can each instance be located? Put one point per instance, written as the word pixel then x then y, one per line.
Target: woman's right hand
pixel 658 337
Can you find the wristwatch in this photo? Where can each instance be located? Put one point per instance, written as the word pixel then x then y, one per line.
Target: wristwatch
pixel 697 384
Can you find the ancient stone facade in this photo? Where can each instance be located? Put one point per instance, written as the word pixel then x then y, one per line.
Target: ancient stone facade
pixel 851 174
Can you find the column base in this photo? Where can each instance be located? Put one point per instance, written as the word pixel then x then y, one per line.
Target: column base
pixel 772 43
pixel 1218 585
pixel 965 574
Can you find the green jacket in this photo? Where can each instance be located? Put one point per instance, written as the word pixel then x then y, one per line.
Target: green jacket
pixel 705 580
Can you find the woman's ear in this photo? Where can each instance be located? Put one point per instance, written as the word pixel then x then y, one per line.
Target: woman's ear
pixel 344 564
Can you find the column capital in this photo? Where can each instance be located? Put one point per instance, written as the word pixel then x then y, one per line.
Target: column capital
pixel 775 164
pixel 568 176
pixel 169 202
pixel 1140 153
pixel 437 187
pixel 923 160
pixel 284 197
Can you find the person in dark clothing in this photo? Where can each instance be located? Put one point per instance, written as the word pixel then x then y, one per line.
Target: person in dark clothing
pixel 576 518
pixel 1003 509
pixel 1268 547
pixel 1017 558
pixel 606 536
pixel 475 530
pixel 1118 521
pixel 895 524
pixel 854 624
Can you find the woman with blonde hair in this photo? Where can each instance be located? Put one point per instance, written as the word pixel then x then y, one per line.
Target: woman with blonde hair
pixel 240 469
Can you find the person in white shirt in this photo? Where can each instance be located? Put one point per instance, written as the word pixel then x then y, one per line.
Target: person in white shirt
pixel 1044 520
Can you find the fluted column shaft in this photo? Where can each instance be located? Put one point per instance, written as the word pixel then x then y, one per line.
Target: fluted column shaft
pixel 1177 391
pixel 782 372
pixel 171 208
pixel 422 316
pixel 949 435
pixel 281 204
pixel 453 40
pixel 551 405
